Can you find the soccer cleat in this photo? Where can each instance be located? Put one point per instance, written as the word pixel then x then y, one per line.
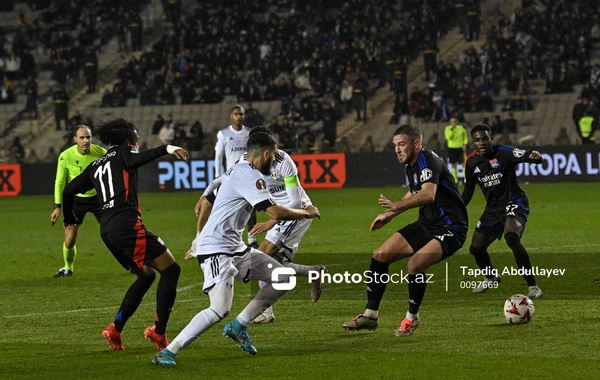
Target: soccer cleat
pixel 407 326
pixel 487 283
pixel 361 322
pixel 535 292
pixel 113 337
pixel 63 272
pixel 317 284
pixel 264 318
pixel 239 334
pixel 159 340
pixel 164 357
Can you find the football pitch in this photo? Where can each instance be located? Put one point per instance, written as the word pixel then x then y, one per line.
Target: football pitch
pixel 51 328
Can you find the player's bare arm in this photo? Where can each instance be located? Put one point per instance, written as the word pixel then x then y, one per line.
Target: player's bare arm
pixel 259 228
pixel 425 196
pixel 277 212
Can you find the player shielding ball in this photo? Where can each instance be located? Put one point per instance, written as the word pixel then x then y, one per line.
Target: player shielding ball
pixel 115 178
pixel 439 232
pixel 492 167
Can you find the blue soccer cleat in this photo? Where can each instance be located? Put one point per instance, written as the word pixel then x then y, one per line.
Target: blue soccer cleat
pixel 164 357
pixel 239 334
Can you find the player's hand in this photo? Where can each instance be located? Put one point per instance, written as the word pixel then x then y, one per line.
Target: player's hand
pixel 199 205
pixel 54 216
pixel 189 254
pixel 387 204
pixel 313 212
pixel 182 154
pixel 259 228
pixel 535 155
pixel 381 220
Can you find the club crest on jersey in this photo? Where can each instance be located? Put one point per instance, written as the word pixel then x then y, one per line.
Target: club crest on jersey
pixel 494 163
pixel 415 179
pixel 261 184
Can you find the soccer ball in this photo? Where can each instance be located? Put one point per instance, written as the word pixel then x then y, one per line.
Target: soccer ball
pixel 518 309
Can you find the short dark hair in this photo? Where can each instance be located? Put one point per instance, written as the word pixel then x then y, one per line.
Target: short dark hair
pixel 239 107
pixel 117 131
pixel 481 127
pixel 260 141
pixel 411 131
pixel 260 129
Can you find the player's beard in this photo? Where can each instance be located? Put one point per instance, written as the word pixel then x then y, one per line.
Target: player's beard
pixel 267 167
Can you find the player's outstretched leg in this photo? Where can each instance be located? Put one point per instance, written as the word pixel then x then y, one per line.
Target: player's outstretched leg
pixel 416 291
pixel 513 240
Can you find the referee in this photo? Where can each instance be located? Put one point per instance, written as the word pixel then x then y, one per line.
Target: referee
pixel 456 140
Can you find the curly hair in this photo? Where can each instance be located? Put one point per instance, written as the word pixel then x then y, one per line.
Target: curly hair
pixel 117 131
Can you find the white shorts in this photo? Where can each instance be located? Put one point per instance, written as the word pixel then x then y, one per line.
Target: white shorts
pixel 254 265
pixel 286 235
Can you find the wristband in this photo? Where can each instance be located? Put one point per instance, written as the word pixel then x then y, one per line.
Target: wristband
pixel 57 205
pixel 172 148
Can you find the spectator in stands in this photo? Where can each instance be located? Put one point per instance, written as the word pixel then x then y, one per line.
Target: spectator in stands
pixel 90 70
pixel 587 127
pixel 346 96
pixel 61 106
pixel 158 124
pixel 51 156
pixel 31 91
pixel 67 142
pixel 330 126
pixel 497 126
pixel 343 146
pixel 511 124
pixel 32 157
pixel 7 95
pixel 180 138
pixel 17 151
pixel 401 111
pixel 306 141
pixel 107 99
pixel 196 137
pixel 166 134
pixel 12 65
pixel 359 98
pixel 430 51
pixel 433 143
pixel 485 103
pixel 136 28
pixel 504 138
pixel 579 110
pixel 562 138
pixel 253 117
pixel 368 146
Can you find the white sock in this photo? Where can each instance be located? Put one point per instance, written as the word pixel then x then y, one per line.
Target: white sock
pixel 411 316
pixel 371 313
pixel 301 270
pixel 199 324
pixel 269 310
pixel 251 239
pixel 265 297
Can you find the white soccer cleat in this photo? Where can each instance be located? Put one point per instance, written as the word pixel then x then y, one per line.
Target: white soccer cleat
pixel 535 292
pixel 264 318
pixel 487 283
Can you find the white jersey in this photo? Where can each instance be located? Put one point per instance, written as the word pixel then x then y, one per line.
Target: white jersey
pixel 283 167
pixel 232 143
pixel 243 188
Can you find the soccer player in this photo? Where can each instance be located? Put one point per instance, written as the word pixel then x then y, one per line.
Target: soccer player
pixel 223 255
pixel 115 178
pixel 71 163
pixel 439 232
pixel 231 142
pixel 456 141
pixel 492 167
pixel 283 237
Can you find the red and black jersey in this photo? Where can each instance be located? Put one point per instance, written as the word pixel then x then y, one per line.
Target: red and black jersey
pixel 447 207
pixel 496 176
pixel 115 178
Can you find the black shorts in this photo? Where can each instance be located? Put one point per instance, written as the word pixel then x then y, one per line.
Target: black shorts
pixel 83 205
pixel 491 223
pixel 418 234
pixel 456 156
pixel 134 248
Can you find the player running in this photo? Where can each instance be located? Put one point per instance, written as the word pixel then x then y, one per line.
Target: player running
pixel 492 167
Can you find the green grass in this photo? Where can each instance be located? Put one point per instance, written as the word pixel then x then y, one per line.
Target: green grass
pixel 51 328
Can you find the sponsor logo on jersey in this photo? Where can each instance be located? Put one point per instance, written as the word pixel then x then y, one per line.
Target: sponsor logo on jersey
pixel 494 163
pixel 238 149
pixel 426 174
pixel 518 152
pixel 276 189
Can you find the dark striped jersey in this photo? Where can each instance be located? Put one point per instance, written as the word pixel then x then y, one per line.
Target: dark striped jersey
pixel 447 209
pixel 115 178
pixel 496 176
